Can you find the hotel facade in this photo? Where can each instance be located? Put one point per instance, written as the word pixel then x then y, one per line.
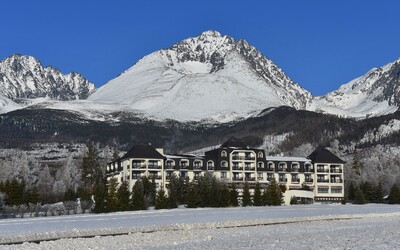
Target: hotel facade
pixel 316 178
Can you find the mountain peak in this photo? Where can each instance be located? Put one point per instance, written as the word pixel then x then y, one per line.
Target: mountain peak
pixel 208 77
pixel 210 33
pixel 23 76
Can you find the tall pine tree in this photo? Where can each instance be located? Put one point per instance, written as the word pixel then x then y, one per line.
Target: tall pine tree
pixel 246 198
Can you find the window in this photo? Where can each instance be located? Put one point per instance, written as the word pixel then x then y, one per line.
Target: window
pixel 323 190
pixel 295 178
pixel 260 155
pixel 336 190
pixel 170 163
pixel 282 166
pixel 270 177
pixel 282 178
pixel 224 175
pixel 295 167
pixel 271 166
pixel 223 153
pixel 183 174
pixel 261 165
pixel 210 165
pixel 135 174
pixel 224 164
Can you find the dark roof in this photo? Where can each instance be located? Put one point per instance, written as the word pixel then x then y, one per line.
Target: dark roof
pixel 323 155
pixel 143 151
pixel 233 142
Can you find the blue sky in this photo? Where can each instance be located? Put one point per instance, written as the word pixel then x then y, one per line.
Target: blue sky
pixel 319 44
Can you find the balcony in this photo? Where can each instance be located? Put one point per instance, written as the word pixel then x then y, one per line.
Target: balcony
pixel 322 181
pixel 138 166
pixel 154 166
pixel 322 170
pixel 336 180
pixel 237 168
pixel 295 180
pixel 249 168
pixel 309 170
pixel 338 171
pixel 243 158
pixel 197 167
pixel 236 178
pixel 295 169
pixel 281 169
pixel 309 180
pixel 250 179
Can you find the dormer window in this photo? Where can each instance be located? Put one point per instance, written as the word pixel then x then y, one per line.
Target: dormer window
pixel 260 155
pixel 223 153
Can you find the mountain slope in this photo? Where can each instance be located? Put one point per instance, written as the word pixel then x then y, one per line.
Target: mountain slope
pixel 373 94
pixel 205 77
pixel 24 77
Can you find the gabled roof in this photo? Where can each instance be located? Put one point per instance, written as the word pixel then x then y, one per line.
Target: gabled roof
pixel 323 155
pixel 233 142
pixel 143 151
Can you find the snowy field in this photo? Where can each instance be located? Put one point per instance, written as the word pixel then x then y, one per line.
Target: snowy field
pixel 288 227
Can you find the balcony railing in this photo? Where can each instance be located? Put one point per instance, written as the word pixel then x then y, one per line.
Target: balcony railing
pixel 249 168
pixel 237 168
pixel 154 166
pixel 183 166
pixel 336 171
pixel 237 178
pixel 295 169
pixel 322 180
pixel 322 170
pixel 245 158
pixel 139 166
pixel 309 180
pixel 250 179
pixel 309 170
pixel 336 180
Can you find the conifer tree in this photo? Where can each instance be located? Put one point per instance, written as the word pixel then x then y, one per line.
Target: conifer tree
pixel 394 195
pixel 273 194
pixel 356 162
pixel 378 193
pixel 173 191
pixel 112 202
pixel 193 197
pixel 246 198
pixel 90 164
pixel 123 197
pixel 161 200
pixel 138 199
pixel 149 191
pixel 359 197
pixel 233 196
pixel 352 192
pixel 99 192
pixel 257 199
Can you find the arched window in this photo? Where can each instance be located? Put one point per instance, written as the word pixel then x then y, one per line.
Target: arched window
pixel 210 165
pixel 261 165
pixel 223 153
pixel 260 155
pixel 224 164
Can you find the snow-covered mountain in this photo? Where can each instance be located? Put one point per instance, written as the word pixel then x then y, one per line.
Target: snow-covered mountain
pixel 373 94
pixel 205 77
pixel 24 77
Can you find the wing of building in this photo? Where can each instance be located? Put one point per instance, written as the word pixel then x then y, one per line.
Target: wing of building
pixel 316 178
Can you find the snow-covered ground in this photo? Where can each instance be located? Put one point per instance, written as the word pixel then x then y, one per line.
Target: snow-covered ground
pixel 299 227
